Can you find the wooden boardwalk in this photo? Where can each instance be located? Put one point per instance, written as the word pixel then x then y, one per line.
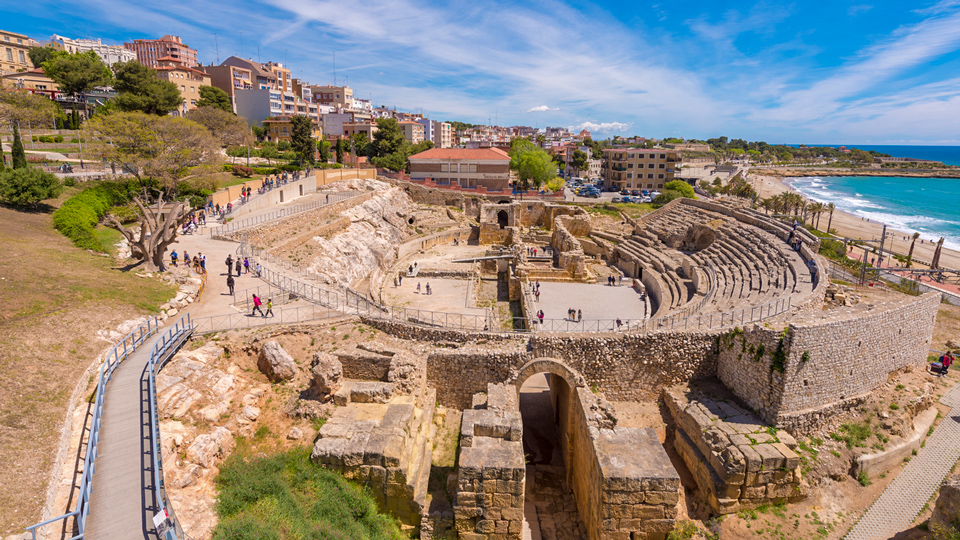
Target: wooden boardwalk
pixel 122 503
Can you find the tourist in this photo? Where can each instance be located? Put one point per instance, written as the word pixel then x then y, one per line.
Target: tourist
pixel 945 362
pixel 579 316
pixel 230 265
pixel 418 287
pixel 203 262
pixel 239 266
pixel 256 306
pixel 259 269
pixel 428 287
pixel 394 282
pixel 269 308
pixel 537 294
pixel 538 286
pixel 619 323
pixel 400 278
pixel 246 265
pixel 173 258
pixel 230 283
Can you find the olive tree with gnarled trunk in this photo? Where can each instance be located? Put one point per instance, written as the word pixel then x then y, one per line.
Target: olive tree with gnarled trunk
pixel 158 151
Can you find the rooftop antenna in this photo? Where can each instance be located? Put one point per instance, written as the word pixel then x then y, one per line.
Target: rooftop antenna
pixel 217 43
pixel 258 54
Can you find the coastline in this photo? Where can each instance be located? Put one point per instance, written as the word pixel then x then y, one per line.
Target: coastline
pixel 853 226
pixel 787 172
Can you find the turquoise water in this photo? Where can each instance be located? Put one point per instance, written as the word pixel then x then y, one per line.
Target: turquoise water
pixel 930 206
pixel 949 155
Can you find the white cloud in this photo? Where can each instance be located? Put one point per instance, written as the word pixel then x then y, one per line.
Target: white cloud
pixel 853 11
pixel 603 127
pixel 542 108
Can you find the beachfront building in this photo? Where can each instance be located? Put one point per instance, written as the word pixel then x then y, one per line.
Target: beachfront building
pixel 150 51
pixel 110 54
pixel 467 168
pixel 639 168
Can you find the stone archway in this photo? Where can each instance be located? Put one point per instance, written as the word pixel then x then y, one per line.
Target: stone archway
pixel 503 219
pixel 552 366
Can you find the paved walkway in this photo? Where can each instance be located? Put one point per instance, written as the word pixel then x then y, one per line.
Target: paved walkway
pixel 904 498
pixel 122 503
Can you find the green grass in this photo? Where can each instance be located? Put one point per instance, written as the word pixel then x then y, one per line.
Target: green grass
pixel 635 210
pixel 286 497
pixel 853 434
pixel 108 238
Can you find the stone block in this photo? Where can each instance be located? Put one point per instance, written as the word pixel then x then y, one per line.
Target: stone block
pixel 370 392
pixel 501 527
pixel 623 497
pixel 466 513
pixel 662 497
pixel 516 526
pixel 486 526
pixel 753 460
pixel 610 524
pixel 512 514
pixel 791 459
pixel 754 492
pixel 787 439
pixel 739 439
pixel 771 456
pixel 644 511
pixel 354 450
pixel 502 500
pixel 658 525
pixel 466 500
pixel 780 491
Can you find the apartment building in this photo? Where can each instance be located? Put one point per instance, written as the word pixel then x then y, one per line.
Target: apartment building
pixel 349 130
pixel 110 54
pixel 427 129
pixel 32 79
pixel 594 167
pixel 639 168
pixel 338 96
pixel 188 81
pixel 229 79
pixel 281 74
pixel 467 168
pixel 442 134
pixel 150 51
pixel 13 52
pixel 280 128
pixel 261 91
pixel 412 131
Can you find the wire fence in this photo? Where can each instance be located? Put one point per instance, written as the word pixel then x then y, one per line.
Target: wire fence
pixel 239 321
pixel 238 224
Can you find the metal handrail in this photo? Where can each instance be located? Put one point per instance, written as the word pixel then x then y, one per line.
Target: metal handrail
pixel 129 344
pixel 236 225
pixel 162 351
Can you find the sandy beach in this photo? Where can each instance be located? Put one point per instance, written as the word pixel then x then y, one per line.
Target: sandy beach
pixel 852 226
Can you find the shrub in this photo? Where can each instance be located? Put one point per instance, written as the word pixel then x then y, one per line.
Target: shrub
pixel 28 186
pixel 69 181
pixel 666 196
pixel 864 479
pixel 58 139
pixel 78 216
pixel 241 171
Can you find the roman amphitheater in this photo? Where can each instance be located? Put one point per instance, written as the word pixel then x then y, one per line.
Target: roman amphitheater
pixel 588 373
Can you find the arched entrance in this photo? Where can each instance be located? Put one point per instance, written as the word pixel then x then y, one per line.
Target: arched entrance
pixel 503 219
pixel 546 389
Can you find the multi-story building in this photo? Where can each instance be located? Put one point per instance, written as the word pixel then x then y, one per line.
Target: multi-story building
pixel 362 105
pixel 442 134
pixel 690 147
pixel 33 80
pixel 261 91
pixel 188 81
pixel 639 168
pixel 339 96
pixel 261 76
pixel 110 54
pixel 467 168
pixel 13 52
pixel 282 74
pixel 280 128
pixel 412 131
pixel 349 130
pixel 150 51
pixel 427 130
pixel 593 169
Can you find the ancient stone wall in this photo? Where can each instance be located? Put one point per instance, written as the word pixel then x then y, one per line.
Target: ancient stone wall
pixel 426 242
pixel 735 459
pixel 793 375
pixel 458 376
pixel 491 476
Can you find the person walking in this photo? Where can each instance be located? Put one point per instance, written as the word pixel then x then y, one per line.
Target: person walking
pixel 537 293
pixel 579 316
pixel 173 258
pixel 230 284
pixel 428 287
pixel 246 265
pixel 945 362
pixel 400 278
pixel 203 262
pixel 256 306
pixel 258 269
pixel 239 266
pixel 269 308
pixel 418 287
pixel 229 265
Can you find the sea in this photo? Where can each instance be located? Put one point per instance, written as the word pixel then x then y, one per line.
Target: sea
pixel 929 206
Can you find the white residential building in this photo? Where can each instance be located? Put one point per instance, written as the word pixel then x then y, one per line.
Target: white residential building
pixel 110 54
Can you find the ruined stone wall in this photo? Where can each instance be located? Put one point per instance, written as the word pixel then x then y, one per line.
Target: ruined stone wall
pixel 364 365
pixel 457 376
pixel 826 365
pixel 426 242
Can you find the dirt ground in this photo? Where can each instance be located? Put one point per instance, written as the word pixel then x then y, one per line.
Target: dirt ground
pixel 56 298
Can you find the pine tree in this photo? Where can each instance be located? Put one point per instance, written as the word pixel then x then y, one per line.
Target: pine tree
pixel 75 119
pixel 3 159
pixel 16 151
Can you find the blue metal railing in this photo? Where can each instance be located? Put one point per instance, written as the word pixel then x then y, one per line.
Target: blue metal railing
pixel 117 354
pixel 163 351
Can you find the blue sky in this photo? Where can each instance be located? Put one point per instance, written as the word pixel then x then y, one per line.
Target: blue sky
pixel 846 71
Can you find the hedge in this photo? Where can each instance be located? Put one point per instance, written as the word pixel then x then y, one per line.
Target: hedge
pixel 78 216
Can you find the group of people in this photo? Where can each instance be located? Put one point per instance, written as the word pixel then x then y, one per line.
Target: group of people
pixel 812 266
pixel 198 263
pixel 257 302
pixel 614 280
pixel 794 239
pixel 429 290
pixel 532 251
pixel 574 315
pixel 946 360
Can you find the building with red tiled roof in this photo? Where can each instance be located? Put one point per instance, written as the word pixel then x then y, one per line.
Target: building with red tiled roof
pixel 463 167
pixel 187 79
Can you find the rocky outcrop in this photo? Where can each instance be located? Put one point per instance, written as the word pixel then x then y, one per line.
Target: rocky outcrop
pixel 947 511
pixel 275 363
pixel 327 373
pixel 207 449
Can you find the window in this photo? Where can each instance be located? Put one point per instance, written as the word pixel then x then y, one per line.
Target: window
pixel 444 167
pixel 649 175
pixel 629 175
pixel 629 165
pixel 663 166
pixel 193 89
pixel 23 59
pixel 650 165
pixel 9 55
pixel 183 88
pixel 663 156
pixel 473 167
pixel 193 102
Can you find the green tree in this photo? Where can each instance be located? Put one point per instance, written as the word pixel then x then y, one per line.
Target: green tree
pixel 360 143
pixel 580 161
pixel 395 161
pixel 160 151
pixel 78 72
pixel 141 90
pixel 18 107
pixel 18 156
pixel 301 138
pixel 28 186
pixel 533 165
pixel 388 138
pixel 323 148
pixel 228 128
pixel 211 96
pixel 682 188
pixel 269 152
pixel 342 147
pixel 3 159
pixel 39 55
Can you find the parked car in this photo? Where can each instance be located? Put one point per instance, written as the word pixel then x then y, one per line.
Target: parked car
pixel 624 192
pixel 615 199
pixel 646 199
pixel 635 192
pixel 644 192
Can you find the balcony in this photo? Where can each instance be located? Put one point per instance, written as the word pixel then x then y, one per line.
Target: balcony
pixel 619 168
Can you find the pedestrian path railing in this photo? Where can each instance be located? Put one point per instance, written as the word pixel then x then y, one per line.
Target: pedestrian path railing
pixel 163 351
pixel 238 224
pixel 125 347
pixel 239 321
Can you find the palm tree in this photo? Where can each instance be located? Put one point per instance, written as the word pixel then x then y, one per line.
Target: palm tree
pixel 830 208
pixel 912 243
pixel 815 209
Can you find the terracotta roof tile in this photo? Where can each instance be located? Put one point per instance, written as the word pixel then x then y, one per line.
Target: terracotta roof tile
pixel 490 154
